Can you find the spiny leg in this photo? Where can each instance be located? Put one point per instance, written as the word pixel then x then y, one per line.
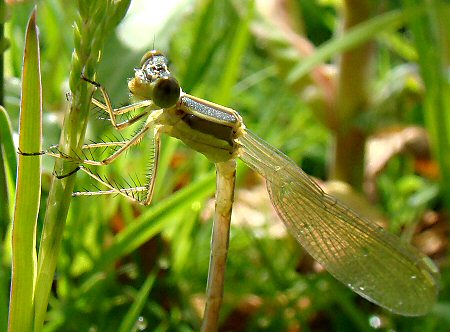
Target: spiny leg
pixel 131 193
pixel 154 168
pixel 118 146
pixel 124 146
pixel 114 112
pixel 122 110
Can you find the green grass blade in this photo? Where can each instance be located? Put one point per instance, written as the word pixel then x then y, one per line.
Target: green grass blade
pixel 153 220
pixel 232 66
pixel 120 10
pixel 131 318
pixel 357 36
pixel 4 287
pixel 28 188
pixel 7 144
pixel 8 162
pixel 433 62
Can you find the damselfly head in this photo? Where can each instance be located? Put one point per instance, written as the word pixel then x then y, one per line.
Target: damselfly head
pixel 154 65
pixel 154 81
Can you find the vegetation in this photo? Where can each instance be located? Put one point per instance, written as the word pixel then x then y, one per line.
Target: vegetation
pixel 331 83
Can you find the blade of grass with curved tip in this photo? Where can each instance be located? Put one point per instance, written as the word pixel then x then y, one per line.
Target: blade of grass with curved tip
pixel 28 188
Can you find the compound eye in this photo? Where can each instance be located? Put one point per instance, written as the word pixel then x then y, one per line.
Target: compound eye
pixel 148 55
pixel 166 92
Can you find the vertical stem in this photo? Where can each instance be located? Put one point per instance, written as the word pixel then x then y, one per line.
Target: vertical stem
pixel 4 203
pixel 352 96
pixel 28 187
pixel 3 42
pixel 225 172
pixel 94 20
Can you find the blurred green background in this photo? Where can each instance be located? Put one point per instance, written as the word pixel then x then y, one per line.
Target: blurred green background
pixel 258 58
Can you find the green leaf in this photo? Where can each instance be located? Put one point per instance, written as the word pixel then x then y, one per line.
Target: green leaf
pixel 235 53
pixel 154 220
pixel 120 9
pixel 8 160
pixel 433 62
pixel 132 317
pixel 28 189
pixel 354 37
pixel 7 144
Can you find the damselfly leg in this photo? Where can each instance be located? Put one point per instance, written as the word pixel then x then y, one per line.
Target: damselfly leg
pixel 106 152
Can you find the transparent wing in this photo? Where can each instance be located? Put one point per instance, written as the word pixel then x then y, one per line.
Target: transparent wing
pixel 372 262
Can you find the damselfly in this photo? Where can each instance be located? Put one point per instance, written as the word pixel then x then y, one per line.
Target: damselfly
pixel 372 262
